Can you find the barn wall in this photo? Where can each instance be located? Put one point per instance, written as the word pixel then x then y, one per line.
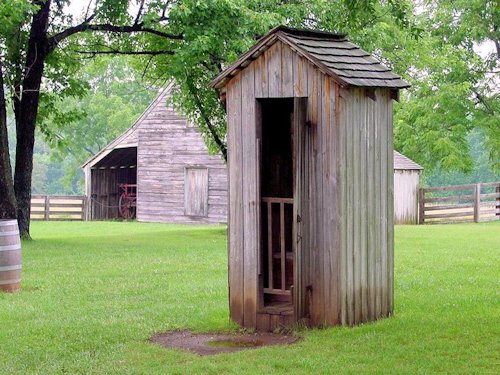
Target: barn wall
pixel 167 145
pixel 406 183
pixel 277 73
pixel 366 197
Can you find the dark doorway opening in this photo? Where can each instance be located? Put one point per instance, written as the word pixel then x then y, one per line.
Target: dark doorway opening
pixel 277 183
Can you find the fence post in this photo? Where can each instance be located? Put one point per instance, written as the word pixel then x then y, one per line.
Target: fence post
pixel 477 202
pixel 46 213
pixel 421 203
pixel 84 208
pixel 497 206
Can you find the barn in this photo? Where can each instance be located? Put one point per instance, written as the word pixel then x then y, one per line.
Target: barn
pixel 406 184
pixel 164 162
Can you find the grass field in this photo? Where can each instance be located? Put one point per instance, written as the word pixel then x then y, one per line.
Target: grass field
pixel 93 293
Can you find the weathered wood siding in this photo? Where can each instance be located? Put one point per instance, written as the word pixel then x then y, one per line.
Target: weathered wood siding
pixel 167 145
pixel 275 74
pixel 343 194
pixel 406 184
pixel 366 197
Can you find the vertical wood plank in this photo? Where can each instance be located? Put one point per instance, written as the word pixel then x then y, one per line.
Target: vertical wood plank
pixel 350 120
pixel 356 207
pixel 251 200
pixel 273 59
pixel 330 194
pixel 371 212
pixel 299 76
pixel 325 195
pixel 316 226
pixel 383 200
pixel 377 202
pixel 340 111
pixel 321 227
pixel 235 256
pixel 287 78
pixel 270 244
pixel 261 79
pixel 364 109
pixel 260 215
pixel 299 208
pixel 390 209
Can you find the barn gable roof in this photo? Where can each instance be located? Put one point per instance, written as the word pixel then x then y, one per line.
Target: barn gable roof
pixel 401 162
pixel 121 140
pixel 332 53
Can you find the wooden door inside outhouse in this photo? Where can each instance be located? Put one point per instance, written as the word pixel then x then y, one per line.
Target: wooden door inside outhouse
pixel 282 129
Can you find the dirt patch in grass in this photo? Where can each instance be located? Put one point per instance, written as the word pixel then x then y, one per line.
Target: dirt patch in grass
pixel 210 344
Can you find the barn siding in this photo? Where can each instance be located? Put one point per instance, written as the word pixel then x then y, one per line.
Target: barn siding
pixel 406 183
pixel 367 210
pixel 166 147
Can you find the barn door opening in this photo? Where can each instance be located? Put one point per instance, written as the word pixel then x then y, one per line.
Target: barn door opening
pixel 277 200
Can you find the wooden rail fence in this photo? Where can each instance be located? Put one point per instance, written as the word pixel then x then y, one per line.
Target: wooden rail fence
pixel 58 207
pixel 460 203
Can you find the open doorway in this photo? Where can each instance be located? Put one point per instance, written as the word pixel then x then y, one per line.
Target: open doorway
pixel 277 186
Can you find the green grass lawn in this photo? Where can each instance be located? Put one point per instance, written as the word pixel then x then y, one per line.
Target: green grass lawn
pixel 93 293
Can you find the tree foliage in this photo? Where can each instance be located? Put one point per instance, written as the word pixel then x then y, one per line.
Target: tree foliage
pixel 115 100
pixel 455 88
pixel 433 44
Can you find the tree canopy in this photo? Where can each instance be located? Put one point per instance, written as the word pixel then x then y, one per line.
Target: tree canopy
pixel 432 43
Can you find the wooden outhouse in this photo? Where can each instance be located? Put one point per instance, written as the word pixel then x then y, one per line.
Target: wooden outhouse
pixel 164 157
pixel 310 181
pixel 406 184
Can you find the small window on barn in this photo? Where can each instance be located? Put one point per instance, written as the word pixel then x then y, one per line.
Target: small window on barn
pixel 196 192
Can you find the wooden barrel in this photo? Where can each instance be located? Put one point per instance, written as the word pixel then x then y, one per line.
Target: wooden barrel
pixel 10 256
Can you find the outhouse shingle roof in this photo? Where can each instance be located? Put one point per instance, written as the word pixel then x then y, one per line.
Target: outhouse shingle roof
pixel 402 162
pixel 333 54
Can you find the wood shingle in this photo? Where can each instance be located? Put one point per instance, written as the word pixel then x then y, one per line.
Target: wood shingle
pixel 333 54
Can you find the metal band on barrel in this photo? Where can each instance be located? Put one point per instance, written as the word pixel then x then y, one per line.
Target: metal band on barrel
pixel 10 247
pixel 11 268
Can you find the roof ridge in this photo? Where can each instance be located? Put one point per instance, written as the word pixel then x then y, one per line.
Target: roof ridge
pixel 308 32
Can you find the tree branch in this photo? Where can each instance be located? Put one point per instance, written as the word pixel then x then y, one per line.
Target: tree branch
pixel 118 52
pixel 483 101
pixel 222 147
pixel 495 40
pixel 139 13
pixel 85 26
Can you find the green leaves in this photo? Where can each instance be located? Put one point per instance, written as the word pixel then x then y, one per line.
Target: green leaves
pixel 78 127
pixel 452 93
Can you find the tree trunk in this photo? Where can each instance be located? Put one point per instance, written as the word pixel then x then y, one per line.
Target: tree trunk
pixel 28 111
pixel 7 197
